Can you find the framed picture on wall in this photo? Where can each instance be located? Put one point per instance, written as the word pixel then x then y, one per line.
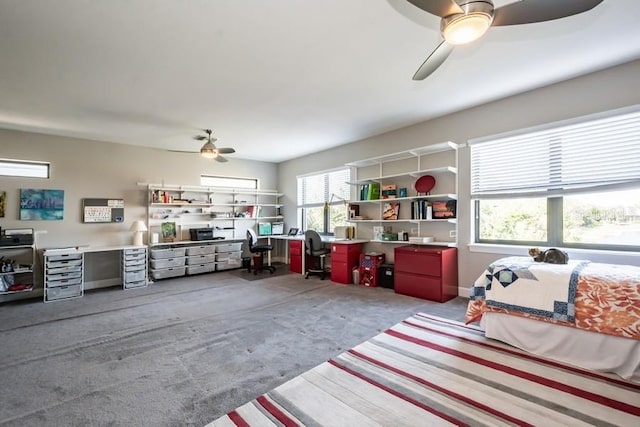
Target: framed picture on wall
pixel 41 205
pixel 168 231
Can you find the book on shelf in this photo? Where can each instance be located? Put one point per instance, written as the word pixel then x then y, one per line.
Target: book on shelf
pixel 389 191
pixel 444 209
pixel 390 211
pixel 373 192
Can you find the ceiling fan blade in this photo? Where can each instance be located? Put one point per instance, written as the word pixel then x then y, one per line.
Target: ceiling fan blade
pixel 221 159
pixel 200 137
pixel 182 151
pixel 530 11
pixel 226 150
pixel 439 8
pixel 434 60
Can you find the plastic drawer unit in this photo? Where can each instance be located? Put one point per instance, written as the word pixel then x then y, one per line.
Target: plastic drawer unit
pixel 168 262
pixel 134 267
pixel 228 256
pixel 427 272
pixel 201 259
pixel 63 274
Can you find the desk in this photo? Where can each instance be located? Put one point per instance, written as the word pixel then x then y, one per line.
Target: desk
pixel 338 246
pixel 64 269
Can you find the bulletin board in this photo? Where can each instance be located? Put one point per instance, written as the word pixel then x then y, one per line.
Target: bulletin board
pixel 102 210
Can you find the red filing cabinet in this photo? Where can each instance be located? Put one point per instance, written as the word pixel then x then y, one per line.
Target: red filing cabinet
pixel 427 272
pixel 344 257
pixel 296 249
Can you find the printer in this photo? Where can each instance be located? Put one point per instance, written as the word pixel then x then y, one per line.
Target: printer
pixel 201 233
pixel 16 237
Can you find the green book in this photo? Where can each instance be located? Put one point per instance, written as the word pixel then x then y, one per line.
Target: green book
pixel 374 191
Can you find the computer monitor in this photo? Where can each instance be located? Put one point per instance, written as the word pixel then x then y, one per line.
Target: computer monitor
pixel 277 228
pixel 264 229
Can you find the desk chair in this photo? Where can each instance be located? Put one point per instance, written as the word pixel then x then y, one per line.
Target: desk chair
pixel 258 252
pixel 315 248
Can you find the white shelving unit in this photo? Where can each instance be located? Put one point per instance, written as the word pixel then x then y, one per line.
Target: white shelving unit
pixel 17 274
pixel 228 211
pixel 402 169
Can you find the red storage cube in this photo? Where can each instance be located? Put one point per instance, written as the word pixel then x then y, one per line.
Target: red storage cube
pixel 369 266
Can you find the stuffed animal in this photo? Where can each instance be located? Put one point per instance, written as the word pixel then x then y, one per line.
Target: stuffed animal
pixel 551 256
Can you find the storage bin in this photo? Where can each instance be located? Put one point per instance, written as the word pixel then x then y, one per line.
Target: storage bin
pixel 165 273
pixel 64 276
pixel 62 270
pixel 64 282
pixel 63 263
pixel 135 262
pixel 202 268
pixel 201 259
pixel 63 292
pixel 135 251
pixel 167 262
pixel 138 284
pixel 201 250
pixel 134 276
pixel 167 253
pixel 64 257
pixel 229 247
pixel 229 264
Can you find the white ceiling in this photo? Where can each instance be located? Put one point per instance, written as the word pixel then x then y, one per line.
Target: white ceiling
pixel 274 79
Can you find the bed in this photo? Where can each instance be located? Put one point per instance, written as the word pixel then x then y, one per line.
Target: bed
pixel 583 313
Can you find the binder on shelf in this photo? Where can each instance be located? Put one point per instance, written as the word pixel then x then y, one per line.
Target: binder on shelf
pixel 373 192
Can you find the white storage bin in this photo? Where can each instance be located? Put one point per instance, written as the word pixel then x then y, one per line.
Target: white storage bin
pixel 135 262
pixel 229 264
pixel 165 273
pixel 135 257
pixel 138 284
pixel 201 250
pixel 63 292
pixel 61 270
pixel 53 283
pixel 167 253
pixel 202 268
pixel 63 263
pixel 167 262
pixel 226 256
pixel 134 276
pixel 135 251
pixel 64 257
pixel 64 276
pixel 229 247
pixel 201 259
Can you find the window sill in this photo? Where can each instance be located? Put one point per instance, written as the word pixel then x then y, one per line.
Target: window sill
pixel 614 257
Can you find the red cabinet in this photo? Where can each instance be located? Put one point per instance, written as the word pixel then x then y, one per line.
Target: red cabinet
pixel 344 257
pixel 428 272
pixel 296 248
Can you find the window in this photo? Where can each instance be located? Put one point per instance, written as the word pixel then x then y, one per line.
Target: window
pixel 322 199
pixel 224 181
pixel 24 168
pixel 573 184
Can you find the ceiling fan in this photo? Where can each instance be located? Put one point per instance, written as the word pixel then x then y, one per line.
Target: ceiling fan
pixel 463 21
pixel 209 150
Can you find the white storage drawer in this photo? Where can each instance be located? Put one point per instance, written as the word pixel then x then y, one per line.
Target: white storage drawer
pixel 202 268
pixel 63 263
pixel 54 283
pixel 134 263
pixel 167 253
pixel 62 292
pixel 165 273
pixel 135 257
pixel 134 276
pixel 135 251
pixel 201 250
pixel 229 264
pixel 139 284
pixel 64 257
pixel 64 276
pixel 168 262
pixel 201 259
pixel 229 247
pixel 60 270
pixel 225 256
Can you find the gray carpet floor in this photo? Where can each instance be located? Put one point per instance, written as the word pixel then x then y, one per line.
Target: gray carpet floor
pixel 183 351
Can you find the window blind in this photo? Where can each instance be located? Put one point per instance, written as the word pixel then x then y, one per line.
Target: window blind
pixel 24 168
pixel 317 189
pixel 590 155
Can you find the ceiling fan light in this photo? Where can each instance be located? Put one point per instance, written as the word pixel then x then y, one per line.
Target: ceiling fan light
pixel 460 29
pixel 208 150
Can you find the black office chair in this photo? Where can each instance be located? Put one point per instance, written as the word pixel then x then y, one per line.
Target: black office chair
pixel 258 252
pixel 315 248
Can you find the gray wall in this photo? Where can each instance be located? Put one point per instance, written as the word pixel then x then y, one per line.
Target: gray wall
pixel 89 169
pixel 601 91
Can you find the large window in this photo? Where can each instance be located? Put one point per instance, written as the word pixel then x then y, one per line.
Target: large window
pixel 322 200
pixel 574 184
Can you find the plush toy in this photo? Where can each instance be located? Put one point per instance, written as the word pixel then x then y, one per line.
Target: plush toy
pixel 551 256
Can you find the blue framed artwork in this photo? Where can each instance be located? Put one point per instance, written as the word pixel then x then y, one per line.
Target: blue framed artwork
pixel 36 204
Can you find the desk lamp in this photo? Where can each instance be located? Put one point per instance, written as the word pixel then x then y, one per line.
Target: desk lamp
pixel 138 227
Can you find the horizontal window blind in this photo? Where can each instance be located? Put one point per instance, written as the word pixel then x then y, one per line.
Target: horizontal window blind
pixel 317 189
pixel 597 154
pixel 24 168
